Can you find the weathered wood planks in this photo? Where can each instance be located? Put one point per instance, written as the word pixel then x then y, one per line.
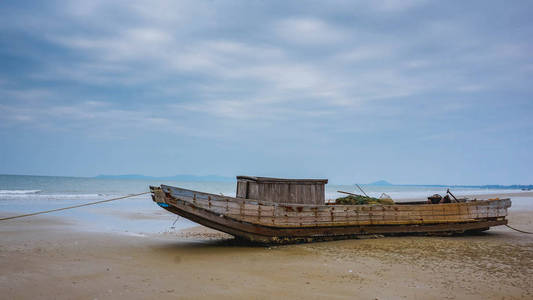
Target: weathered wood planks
pixel 302 191
pixel 283 215
pixel 276 223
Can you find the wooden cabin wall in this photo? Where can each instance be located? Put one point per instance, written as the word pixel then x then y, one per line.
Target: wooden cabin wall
pixel 242 187
pixel 282 192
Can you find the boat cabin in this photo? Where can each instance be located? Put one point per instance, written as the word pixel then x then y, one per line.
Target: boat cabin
pixel 279 190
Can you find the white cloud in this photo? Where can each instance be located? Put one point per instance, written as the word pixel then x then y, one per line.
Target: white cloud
pixel 90 117
pixel 309 31
pixel 190 51
pixel 367 53
pixel 396 5
pixel 35 95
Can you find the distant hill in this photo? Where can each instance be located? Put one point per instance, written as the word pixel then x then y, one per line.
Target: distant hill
pixel 380 183
pixel 181 177
pixel 125 176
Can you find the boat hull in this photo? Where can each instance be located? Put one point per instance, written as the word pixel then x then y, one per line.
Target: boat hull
pixel 274 223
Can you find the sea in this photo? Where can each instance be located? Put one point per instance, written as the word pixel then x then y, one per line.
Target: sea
pixel 139 215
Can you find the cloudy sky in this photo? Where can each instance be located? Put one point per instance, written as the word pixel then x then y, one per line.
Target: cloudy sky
pixel 408 91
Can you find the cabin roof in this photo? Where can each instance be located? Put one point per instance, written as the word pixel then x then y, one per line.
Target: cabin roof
pixel 282 180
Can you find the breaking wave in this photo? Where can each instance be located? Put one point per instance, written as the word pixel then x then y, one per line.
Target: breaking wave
pixel 37 195
pixel 19 192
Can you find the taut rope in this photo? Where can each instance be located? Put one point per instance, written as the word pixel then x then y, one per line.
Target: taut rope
pixel 71 207
pixel 522 231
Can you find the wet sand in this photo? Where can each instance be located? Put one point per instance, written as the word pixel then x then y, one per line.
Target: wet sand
pixel 45 258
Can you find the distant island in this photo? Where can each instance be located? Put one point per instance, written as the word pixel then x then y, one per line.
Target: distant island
pixel 380 183
pixel 181 177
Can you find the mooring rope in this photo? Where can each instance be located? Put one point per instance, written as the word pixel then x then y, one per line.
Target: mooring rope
pixel 522 231
pixel 70 207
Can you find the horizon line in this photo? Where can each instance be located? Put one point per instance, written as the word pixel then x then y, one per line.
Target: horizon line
pixel 141 176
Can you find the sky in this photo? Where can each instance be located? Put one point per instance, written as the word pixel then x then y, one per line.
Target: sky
pixel 409 91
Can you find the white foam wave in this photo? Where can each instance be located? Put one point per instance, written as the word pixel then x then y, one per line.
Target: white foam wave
pixel 50 196
pixel 68 196
pixel 44 196
pixel 18 192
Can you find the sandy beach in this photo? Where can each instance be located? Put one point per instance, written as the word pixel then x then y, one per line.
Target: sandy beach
pixel 45 257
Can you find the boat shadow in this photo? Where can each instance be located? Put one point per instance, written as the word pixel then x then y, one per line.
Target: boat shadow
pixel 237 243
pixel 227 243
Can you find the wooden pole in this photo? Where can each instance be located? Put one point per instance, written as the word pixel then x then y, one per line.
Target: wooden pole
pixel 448 192
pixel 361 189
pixel 343 192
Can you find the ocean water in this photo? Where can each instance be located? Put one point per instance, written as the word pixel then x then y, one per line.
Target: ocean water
pixel 139 215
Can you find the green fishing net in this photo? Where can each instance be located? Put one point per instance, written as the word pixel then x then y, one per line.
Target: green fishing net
pixel 362 200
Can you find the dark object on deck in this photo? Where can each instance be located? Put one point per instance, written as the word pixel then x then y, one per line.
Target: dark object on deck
pixel 450 193
pixel 303 191
pixel 438 199
pixel 445 199
pixel 434 199
pixel 281 222
pixel 455 198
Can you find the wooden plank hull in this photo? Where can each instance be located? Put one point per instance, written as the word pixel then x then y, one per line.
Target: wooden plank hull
pixel 268 222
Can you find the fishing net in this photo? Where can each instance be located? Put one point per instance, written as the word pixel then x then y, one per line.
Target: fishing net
pixel 362 200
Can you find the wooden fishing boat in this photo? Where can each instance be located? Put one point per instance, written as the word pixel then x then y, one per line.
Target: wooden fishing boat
pixel 273 210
